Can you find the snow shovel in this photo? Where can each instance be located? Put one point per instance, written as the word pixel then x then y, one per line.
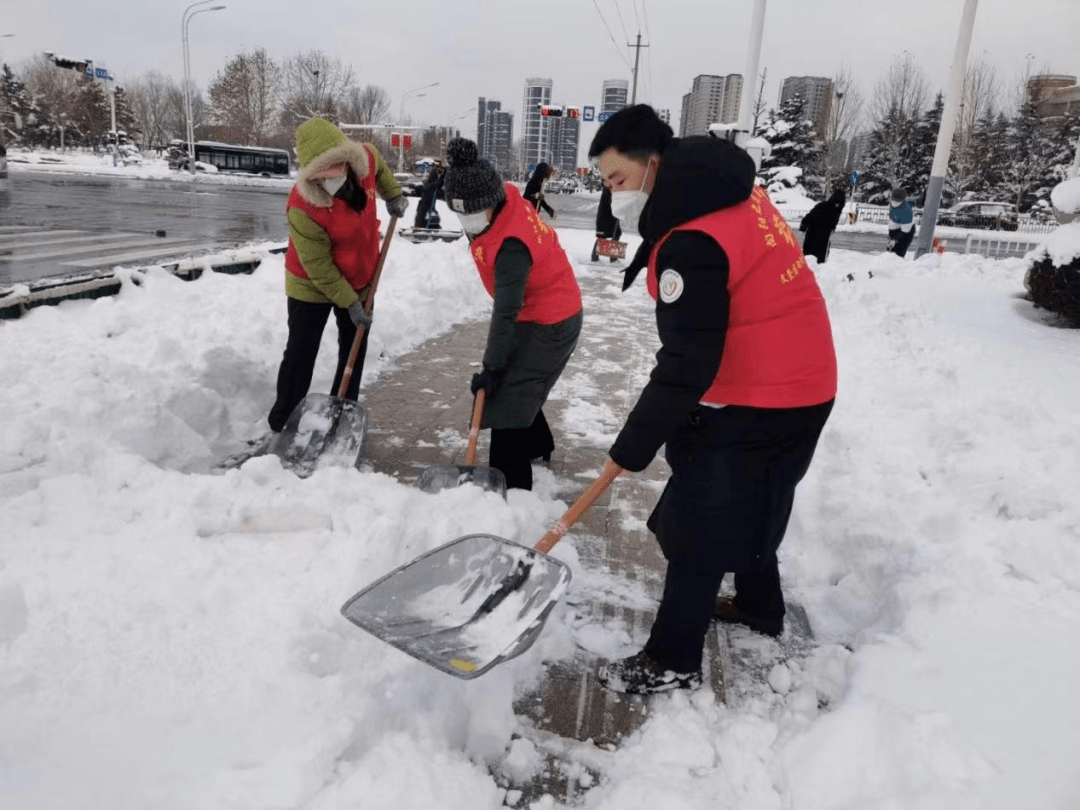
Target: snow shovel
pixel 446 476
pixel 476 601
pixel 324 430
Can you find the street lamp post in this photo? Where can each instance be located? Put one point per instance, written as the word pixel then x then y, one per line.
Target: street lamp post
pixel 401 119
pixel 188 14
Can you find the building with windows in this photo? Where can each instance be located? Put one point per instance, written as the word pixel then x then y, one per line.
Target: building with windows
pixel 495 134
pixel 665 116
pixel 817 95
pixel 534 126
pixel 711 100
pixel 613 95
pixel 564 136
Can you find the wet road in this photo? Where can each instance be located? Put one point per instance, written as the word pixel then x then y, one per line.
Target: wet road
pixel 196 215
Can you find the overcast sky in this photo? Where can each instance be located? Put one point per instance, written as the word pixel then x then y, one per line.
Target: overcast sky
pixel 489 47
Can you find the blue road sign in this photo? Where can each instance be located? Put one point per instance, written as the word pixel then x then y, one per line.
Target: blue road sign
pixel 602 117
pixel 532 167
pixel 588 113
pixel 854 178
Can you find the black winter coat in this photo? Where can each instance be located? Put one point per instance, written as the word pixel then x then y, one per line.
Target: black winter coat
pixel 819 225
pixel 433 190
pixel 607 224
pixel 534 189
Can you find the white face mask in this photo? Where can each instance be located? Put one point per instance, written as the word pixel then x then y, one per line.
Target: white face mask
pixel 473 223
pixel 627 206
pixel 331 184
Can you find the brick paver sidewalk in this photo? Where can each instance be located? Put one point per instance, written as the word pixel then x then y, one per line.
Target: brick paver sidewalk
pixel 423 406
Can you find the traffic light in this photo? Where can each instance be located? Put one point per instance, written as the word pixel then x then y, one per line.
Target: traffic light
pixel 573 112
pixel 408 141
pixel 554 112
pixel 73 64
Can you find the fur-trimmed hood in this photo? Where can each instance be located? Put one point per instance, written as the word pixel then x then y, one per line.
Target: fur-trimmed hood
pixel 351 152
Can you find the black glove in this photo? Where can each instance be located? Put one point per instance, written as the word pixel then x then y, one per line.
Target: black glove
pixel 397 206
pixel 359 317
pixel 488 379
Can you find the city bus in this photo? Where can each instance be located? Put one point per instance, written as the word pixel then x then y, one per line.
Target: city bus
pixel 231 158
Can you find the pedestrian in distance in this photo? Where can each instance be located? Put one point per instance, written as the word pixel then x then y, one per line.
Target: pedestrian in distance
pixel 426 215
pixel 536 313
pixel 819 224
pixel 607 224
pixel 901 222
pixel 742 387
pixel 333 251
pixel 534 189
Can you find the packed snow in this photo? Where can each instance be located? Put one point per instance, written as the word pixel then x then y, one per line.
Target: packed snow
pixel 171 638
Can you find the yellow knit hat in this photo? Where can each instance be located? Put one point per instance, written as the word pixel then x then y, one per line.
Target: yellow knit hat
pixel 315 136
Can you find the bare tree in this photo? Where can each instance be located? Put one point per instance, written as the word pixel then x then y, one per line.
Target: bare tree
pixel 313 84
pixel 366 105
pixel 244 98
pixel 979 101
pixel 177 112
pixel 148 97
pixel 898 101
pixel 841 125
pixel 758 107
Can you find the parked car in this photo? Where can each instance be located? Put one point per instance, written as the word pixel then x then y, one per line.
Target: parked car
pixel 996 216
pixel 411 184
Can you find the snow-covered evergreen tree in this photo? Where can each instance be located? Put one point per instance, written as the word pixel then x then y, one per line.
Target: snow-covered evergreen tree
pixel 795 149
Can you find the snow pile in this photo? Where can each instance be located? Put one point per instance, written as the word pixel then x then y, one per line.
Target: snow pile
pixel 1065 196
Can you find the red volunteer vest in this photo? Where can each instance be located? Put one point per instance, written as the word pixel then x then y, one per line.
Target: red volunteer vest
pixel 354 237
pixel 551 293
pixel 778 351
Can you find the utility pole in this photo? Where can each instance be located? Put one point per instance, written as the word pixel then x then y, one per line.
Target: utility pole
pixel 637 55
pixel 946 130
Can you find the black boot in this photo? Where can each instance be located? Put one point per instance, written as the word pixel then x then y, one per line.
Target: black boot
pixel 729 613
pixel 641 675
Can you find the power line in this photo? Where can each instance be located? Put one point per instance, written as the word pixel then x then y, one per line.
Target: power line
pixel 645 14
pixel 608 29
pixel 619 12
pixel 636 18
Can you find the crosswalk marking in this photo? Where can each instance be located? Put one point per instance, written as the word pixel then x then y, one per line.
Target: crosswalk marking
pixel 30 252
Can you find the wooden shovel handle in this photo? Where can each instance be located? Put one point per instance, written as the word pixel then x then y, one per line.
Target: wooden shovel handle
pixel 474 427
pixel 581 505
pixel 354 352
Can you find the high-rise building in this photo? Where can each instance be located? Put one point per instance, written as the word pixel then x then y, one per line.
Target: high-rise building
pixel 564 135
pixel 665 116
pixel 534 127
pixel 816 93
pixel 494 133
pixel 711 100
pixel 613 95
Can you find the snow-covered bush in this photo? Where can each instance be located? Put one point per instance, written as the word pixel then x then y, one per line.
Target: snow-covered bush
pixel 1053 281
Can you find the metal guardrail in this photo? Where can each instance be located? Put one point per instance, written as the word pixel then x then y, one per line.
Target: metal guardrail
pixel 880 215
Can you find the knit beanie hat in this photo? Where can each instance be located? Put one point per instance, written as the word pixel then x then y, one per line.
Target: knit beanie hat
pixel 471 184
pixel 314 137
pixel 898 195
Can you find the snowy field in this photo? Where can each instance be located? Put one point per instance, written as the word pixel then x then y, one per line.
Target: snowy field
pixel 170 638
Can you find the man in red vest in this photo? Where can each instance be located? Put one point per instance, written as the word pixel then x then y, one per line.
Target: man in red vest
pixel 743 384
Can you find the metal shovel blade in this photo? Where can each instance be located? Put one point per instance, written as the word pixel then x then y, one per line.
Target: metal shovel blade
pixel 323 431
pixel 464 607
pixel 448 476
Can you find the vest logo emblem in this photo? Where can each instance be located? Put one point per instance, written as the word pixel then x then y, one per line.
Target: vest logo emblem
pixel 671 286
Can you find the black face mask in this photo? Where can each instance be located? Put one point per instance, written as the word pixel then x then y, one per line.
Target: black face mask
pixel 352 193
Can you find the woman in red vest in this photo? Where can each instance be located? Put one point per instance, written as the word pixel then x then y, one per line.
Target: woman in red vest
pixel 332 255
pixel 536 315
pixel 744 382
